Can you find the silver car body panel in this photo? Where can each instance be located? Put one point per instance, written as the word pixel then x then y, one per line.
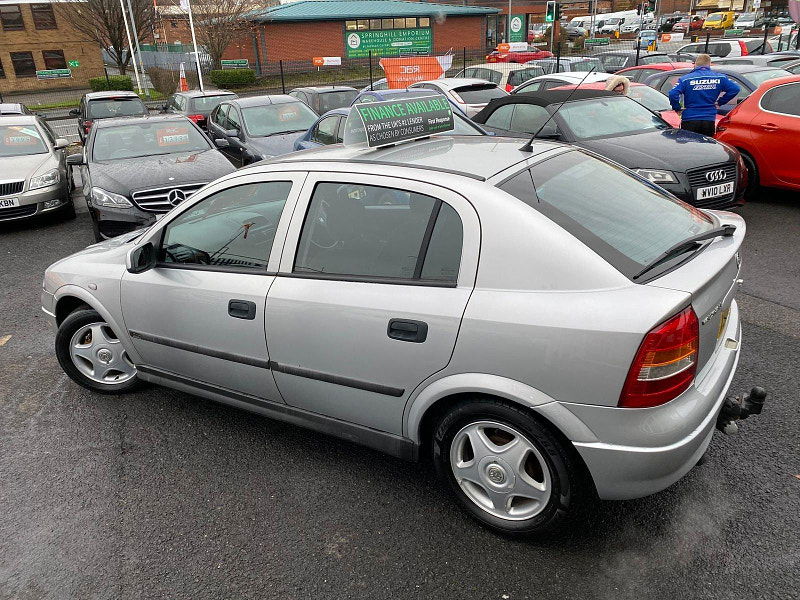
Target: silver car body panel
pixel 541 326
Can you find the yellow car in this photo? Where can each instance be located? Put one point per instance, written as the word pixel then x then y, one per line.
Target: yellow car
pixel 719 20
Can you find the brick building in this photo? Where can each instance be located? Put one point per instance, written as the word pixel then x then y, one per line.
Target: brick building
pixel 34 37
pixel 352 28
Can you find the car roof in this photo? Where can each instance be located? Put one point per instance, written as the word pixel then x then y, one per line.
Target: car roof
pixel 552 59
pixel 629 53
pixel 114 121
pixel 665 66
pixel 553 96
pixel 324 89
pixel 455 82
pixel 17 119
pixel 503 67
pixel 725 69
pixel 111 94
pixel 262 100
pixel 335 111
pixel 12 108
pixel 573 76
pixel 595 85
pixel 199 94
pixel 476 157
pixel 757 59
pixel 399 91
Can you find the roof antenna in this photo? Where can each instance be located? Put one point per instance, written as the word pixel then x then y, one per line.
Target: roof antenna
pixel 528 147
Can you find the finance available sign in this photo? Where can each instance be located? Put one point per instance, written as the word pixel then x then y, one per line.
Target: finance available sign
pixel 388 42
pixel 390 122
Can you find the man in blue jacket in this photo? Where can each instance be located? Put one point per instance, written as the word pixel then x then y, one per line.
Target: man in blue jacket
pixel 701 91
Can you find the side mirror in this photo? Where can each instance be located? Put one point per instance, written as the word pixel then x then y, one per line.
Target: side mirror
pixel 141 259
pixel 76 159
pixel 74 112
pixel 220 143
pixel 232 132
pixel 165 107
pixel 61 143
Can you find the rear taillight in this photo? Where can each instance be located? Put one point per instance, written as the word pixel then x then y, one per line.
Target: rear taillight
pixel 87 125
pixel 197 118
pixel 509 87
pixel 666 363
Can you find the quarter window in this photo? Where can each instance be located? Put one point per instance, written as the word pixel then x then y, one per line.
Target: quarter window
pixel 220 117
pixel 23 63
pixel 11 17
pixel 233 228
pixel 325 132
pixel 54 59
pixel 783 99
pixel 379 232
pixel 43 17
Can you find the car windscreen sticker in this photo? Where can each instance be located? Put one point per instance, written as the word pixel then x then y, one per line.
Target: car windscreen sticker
pixel 172 136
pixel 392 121
pixel 20 136
pixel 288 113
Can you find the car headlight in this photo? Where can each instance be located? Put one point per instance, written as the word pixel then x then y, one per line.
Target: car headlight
pixel 657 176
pixel 44 180
pixel 101 197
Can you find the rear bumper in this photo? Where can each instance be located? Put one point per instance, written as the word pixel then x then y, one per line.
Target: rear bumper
pixel 647 450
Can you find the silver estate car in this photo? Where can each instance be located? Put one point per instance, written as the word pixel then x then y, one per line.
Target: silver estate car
pixel 542 324
pixel 33 173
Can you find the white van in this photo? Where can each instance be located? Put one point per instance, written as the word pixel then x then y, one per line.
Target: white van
pixel 614 21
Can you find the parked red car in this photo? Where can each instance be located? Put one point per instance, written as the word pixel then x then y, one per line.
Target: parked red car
pixel 765 128
pixel 687 24
pixel 517 57
pixel 642 72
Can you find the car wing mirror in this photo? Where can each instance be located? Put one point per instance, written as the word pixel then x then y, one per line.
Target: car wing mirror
pixel 74 112
pixel 232 132
pixel 165 107
pixel 220 143
pixel 61 143
pixel 141 259
pixel 76 159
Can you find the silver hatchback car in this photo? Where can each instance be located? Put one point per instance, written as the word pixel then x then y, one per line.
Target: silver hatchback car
pixel 544 325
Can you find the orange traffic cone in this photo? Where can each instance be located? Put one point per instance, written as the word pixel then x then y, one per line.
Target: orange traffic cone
pixel 184 84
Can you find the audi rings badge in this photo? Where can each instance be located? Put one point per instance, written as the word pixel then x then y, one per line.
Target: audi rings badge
pixel 717 175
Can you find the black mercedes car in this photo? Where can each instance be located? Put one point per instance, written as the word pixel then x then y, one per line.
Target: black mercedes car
pixel 696 168
pixel 135 168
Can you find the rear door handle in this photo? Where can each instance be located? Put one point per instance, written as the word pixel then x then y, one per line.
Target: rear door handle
pixel 242 309
pixel 406 330
pixel 770 127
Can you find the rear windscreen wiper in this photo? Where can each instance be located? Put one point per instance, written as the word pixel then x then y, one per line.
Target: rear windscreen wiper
pixel 686 245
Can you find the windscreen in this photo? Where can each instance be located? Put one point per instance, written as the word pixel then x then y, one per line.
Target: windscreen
pixel 613 21
pixel 715 17
pixel 626 221
pixel 587 64
pixel 479 94
pixel 21 140
pixel 331 100
pixel 147 139
pixel 604 117
pixel 746 17
pixel 649 98
pixel 759 77
pixel 208 103
pixel 271 119
pixel 116 107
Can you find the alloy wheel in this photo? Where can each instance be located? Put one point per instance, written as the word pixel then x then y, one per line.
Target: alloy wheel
pixel 98 354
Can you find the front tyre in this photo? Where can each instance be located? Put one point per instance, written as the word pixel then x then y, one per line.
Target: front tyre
pixel 505 468
pixel 92 355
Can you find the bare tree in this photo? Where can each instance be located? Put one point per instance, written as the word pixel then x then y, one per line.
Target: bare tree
pixel 101 21
pixel 219 23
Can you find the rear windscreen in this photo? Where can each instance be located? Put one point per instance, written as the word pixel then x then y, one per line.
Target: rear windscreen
pixel 479 94
pixel 331 100
pixel 208 103
pixel 116 107
pixel 628 222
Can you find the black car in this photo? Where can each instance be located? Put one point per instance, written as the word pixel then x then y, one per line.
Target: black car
pixel 614 60
pixel 251 129
pixel 106 105
pixel 196 105
pixel 323 98
pixel 695 168
pixel 135 168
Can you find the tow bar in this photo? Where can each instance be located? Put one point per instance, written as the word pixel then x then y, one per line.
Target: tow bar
pixel 736 409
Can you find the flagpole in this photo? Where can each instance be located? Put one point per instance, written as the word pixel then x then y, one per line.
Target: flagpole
pixel 194 43
pixel 138 48
pixel 130 46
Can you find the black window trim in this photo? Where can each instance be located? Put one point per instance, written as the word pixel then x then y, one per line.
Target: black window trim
pixel 424 244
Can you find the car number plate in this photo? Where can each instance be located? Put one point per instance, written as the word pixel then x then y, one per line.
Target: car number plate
pixel 8 202
pixel 713 191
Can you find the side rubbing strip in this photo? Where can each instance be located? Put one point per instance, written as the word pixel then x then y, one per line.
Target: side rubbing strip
pixel 245 360
pixel 338 380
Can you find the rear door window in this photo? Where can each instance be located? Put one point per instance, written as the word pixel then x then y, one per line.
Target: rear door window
pixel 482 73
pixel 784 99
pixel 528 118
pixel 626 221
pixel 501 118
pixel 479 94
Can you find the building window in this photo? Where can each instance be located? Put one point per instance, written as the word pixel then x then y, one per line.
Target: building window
pixel 380 24
pixel 350 25
pixel 374 23
pixel 43 17
pixel 399 23
pixel 54 59
pixel 387 24
pixel 2 71
pixel 173 24
pixel 424 22
pixel 23 63
pixel 11 17
pixel 363 24
pixel 411 22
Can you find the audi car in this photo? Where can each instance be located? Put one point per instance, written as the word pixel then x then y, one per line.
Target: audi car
pixel 135 168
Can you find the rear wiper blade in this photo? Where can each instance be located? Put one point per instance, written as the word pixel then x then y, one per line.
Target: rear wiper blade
pixel 687 244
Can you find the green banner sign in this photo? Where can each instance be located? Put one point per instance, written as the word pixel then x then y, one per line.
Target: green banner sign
pixel 388 42
pixel 239 63
pixel 390 122
pixel 733 32
pixel 517 30
pixel 597 42
pixel 73 64
pixel 54 74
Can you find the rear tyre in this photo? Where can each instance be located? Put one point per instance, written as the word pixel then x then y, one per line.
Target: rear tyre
pixel 506 468
pixel 92 355
pixel 753 185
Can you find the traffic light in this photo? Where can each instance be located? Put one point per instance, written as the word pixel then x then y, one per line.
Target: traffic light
pixel 638 9
pixel 558 11
pixel 550 13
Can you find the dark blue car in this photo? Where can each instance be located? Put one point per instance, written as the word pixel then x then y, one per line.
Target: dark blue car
pixel 329 128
